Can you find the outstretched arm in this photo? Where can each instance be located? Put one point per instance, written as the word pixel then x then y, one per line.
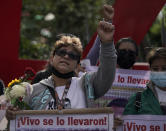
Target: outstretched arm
pixel 93 54
pixel 106 72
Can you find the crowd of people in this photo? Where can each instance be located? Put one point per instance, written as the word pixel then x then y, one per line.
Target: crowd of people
pixel 127 54
pixel 60 84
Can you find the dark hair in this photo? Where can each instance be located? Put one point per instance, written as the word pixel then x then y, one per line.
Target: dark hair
pixel 127 39
pixel 156 53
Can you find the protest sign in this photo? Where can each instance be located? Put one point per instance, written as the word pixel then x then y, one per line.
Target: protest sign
pixel 93 119
pixel 126 83
pixel 144 123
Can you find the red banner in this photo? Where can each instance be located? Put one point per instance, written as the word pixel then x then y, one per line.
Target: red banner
pixel 132 18
pixel 11 66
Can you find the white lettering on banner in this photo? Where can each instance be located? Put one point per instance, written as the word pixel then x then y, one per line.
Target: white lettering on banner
pixel 144 123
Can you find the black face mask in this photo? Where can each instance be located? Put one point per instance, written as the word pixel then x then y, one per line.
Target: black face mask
pixel 64 76
pixel 126 58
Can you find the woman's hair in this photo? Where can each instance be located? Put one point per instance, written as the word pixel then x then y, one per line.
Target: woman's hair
pixel 128 39
pixel 68 40
pixel 156 53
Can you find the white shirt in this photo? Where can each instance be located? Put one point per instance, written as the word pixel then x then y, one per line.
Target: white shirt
pixel 75 94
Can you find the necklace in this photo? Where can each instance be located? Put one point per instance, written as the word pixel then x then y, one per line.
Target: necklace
pixel 61 102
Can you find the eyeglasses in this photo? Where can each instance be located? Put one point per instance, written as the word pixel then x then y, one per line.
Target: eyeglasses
pixel 71 55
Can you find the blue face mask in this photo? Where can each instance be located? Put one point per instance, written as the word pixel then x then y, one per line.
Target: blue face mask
pixel 158 78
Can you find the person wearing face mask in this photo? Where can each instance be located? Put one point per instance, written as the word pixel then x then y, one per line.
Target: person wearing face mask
pixel 151 101
pixel 127 52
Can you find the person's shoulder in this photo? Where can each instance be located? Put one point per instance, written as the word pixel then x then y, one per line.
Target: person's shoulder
pixel 132 98
pixel 45 82
pixel 36 84
pixel 130 106
pixel 38 88
pixel 41 72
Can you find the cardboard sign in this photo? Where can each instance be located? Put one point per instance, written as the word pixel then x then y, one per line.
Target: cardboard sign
pixel 65 120
pixel 126 83
pixel 131 78
pixel 144 123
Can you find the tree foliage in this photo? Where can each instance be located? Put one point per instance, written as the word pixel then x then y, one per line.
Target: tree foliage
pixel 153 38
pixel 68 16
pixel 80 18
